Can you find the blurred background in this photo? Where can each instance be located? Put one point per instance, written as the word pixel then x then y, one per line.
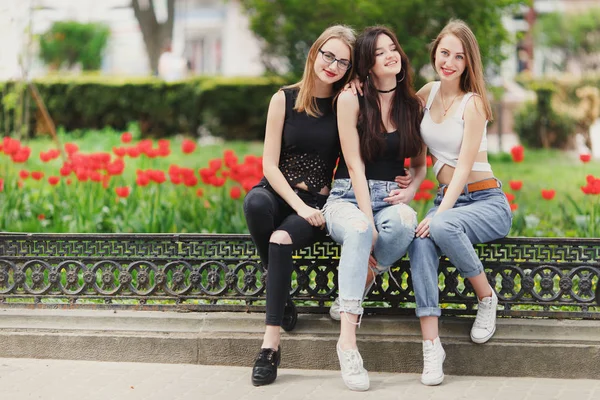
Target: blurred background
pixel 201 73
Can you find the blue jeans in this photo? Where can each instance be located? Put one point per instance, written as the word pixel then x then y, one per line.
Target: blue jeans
pixel 351 228
pixel 477 217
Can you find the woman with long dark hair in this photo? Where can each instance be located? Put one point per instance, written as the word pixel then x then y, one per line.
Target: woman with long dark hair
pixel 367 211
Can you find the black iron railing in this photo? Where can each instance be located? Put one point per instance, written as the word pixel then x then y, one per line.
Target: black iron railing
pixel 542 277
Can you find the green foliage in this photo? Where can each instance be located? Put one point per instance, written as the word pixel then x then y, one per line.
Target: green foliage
pixel 69 43
pixel 288 27
pixel 537 128
pixel 576 35
pixel 233 108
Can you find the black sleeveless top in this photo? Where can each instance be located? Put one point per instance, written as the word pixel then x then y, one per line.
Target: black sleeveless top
pixel 387 166
pixel 310 146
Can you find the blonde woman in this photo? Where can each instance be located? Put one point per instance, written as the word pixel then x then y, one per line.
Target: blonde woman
pixel 470 206
pixel 301 148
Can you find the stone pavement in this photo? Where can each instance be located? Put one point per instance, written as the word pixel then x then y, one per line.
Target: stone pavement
pixel 24 379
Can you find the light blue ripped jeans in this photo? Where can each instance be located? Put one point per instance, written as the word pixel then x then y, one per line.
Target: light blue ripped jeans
pixel 350 227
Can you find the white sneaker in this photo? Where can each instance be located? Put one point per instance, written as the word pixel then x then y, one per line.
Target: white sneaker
pixel 353 373
pixel 334 310
pixel 484 326
pixel 433 362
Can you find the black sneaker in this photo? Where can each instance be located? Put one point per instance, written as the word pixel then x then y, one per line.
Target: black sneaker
pixel 265 366
pixel 290 316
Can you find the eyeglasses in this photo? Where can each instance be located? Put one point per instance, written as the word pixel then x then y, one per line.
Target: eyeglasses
pixel 330 58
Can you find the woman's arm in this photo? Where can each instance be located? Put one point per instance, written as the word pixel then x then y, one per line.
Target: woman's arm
pixel 417 171
pixel 271 154
pixel 474 126
pixel 347 117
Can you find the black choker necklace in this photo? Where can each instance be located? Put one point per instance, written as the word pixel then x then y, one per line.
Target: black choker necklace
pixel 387 91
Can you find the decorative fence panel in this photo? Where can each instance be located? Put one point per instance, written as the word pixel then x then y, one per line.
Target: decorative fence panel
pixel 540 277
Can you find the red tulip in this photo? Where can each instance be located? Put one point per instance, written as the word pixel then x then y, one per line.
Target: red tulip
pixel 518 153
pixel 1 185
pixel 429 161
pixel 71 148
pixel 235 192
pixel 548 194
pixel 53 180
pixel 126 137
pixel 427 185
pixel 188 146
pixel 41 217
pixel 585 157
pixel 513 207
pixel 515 185
pixel 37 175
pixel 199 192
pixel 23 174
pixel 122 191
pixel 510 197
pixel 215 164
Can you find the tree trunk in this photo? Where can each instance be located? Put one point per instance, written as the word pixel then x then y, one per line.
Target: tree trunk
pixel 155 34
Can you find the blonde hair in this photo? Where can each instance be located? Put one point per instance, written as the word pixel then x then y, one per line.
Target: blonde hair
pixel 305 102
pixel 472 78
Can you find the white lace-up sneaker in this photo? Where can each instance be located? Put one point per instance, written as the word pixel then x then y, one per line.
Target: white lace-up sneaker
pixel 334 310
pixel 433 362
pixel 353 373
pixel 484 326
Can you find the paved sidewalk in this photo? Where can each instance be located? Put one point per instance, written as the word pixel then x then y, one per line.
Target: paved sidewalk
pixel 24 379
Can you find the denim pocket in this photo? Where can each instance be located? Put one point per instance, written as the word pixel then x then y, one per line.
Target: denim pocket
pixel 340 187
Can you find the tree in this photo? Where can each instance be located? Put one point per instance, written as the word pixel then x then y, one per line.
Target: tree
pixel 156 34
pixel 575 36
pixel 288 27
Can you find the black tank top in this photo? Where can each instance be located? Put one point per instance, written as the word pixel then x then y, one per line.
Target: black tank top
pixel 387 166
pixel 310 146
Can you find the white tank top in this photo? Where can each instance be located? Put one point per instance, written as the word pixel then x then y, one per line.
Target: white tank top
pixel 444 139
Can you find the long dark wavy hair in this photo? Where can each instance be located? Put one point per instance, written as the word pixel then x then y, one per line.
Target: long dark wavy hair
pixel 406 110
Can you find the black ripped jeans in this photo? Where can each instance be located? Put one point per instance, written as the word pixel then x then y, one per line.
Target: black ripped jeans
pixel 266 212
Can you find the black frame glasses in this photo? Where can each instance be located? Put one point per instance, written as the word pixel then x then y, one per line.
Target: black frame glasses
pixel 330 58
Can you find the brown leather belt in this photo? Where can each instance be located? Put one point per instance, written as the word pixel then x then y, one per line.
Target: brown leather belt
pixel 490 183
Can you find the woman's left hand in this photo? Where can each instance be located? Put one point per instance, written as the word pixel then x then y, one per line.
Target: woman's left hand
pixel 403 181
pixel 422 230
pixel 399 196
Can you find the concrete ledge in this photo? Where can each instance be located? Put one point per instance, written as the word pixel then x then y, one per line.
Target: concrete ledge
pixel 521 347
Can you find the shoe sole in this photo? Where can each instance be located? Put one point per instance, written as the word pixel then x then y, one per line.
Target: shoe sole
pixel 484 339
pixel 357 388
pixel 433 383
pixel 257 382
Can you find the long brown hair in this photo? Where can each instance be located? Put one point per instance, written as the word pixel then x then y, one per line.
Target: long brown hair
pixel 306 102
pixel 472 77
pixel 405 111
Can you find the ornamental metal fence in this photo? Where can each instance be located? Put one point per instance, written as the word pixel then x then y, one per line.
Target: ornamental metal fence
pixel 534 277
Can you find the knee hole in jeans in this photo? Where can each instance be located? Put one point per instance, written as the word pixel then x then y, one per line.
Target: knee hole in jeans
pixel 408 216
pixel 280 237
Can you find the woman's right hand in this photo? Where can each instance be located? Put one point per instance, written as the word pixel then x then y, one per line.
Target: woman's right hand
pixel 312 215
pixel 355 86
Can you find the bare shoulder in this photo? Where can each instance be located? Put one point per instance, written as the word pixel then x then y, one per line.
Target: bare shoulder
pixel 347 100
pixel 278 98
pixel 474 107
pixel 423 93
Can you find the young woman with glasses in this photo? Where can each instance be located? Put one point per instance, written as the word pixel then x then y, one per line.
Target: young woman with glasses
pixel 301 148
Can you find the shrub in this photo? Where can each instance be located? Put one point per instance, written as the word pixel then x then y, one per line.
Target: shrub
pixel 226 107
pixel 70 43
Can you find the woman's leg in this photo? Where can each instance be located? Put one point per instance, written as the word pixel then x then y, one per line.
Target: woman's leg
pixel 396 230
pixel 350 227
pixel 424 262
pixel 456 230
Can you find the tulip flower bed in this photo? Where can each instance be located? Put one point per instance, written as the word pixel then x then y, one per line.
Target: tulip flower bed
pixel 111 182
